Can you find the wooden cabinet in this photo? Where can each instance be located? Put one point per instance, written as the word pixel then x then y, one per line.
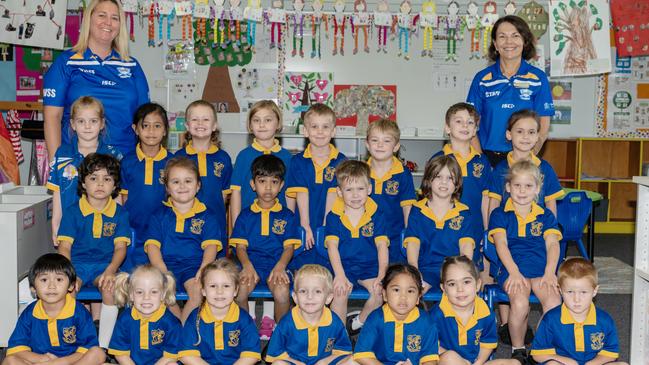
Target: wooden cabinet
pixel 562 155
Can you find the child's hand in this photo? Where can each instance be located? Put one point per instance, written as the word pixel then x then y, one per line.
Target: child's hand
pixel 278 276
pixel 106 280
pixel 515 282
pixel 249 276
pixel 342 285
pixel 377 286
pixel 309 241
pixel 407 362
pixel 166 361
pixel 550 280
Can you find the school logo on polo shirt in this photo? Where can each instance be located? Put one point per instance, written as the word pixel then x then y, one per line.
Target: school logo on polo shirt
pixel 478 168
pixel 197 226
pixel 329 173
pixel 233 338
pixel 392 187
pixel 368 230
pixel 478 334
pixel 124 72
pixel 414 343
pixel 330 344
pixel 597 341
pixel 157 336
pixel 526 94
pixel 218 168
pixel 161 179
pixel 456 223
pixel 536 229
pixel 279 226
pixel 70 334
pixel 109 229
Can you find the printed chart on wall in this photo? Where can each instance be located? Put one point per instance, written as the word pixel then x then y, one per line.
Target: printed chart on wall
pixel 37 23
pixel 300 91
pixel 628 97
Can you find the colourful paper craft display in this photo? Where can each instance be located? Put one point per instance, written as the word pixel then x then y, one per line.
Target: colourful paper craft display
pixel 631 25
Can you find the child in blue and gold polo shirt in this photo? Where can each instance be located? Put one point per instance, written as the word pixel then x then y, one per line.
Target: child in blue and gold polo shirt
pixel 55 326
pixel 94 234
pixel 577 331
pixel 356 240
pixel 310 334
pixel 265 236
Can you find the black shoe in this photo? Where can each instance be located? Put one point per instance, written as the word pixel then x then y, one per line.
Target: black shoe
pixel 529 336
pixel 521 356
pixel 348 323
pixel 503 335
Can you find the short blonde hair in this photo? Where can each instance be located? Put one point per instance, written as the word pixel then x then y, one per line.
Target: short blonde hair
pixel 578 268
pixel 524 167
pixel 124 285
pixel 313 271
pixel 216 135
pixel 352 170
pixel 265 104
pixel 85 102
pixel 120 43
pixel 386 126
pixel 321 110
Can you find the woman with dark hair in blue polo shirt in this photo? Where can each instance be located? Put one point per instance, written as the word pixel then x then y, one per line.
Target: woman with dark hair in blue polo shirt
pixel 99 65
pixel 508 85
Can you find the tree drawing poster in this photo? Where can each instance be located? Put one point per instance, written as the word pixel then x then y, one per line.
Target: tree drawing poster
pixel 579 37
pixel 301 90
pixel 36 23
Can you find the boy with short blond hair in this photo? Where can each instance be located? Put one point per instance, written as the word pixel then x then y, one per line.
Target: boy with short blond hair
pixel 576 332
pixel 356 240
pixel 292 341
pixel 311 176
pixel 392 186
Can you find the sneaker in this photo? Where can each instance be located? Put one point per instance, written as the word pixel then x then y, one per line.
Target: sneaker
pixel 520 355
pixel 348 323
pixel 503 335
pixel 266 328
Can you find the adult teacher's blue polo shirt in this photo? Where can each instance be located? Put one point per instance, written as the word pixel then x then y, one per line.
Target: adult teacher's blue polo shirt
pixel 496 97
pixel 120 85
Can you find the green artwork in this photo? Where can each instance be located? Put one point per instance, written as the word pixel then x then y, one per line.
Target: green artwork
pixel 231 47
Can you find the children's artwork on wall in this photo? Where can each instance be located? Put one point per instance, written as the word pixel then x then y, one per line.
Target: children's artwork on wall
pixel 339 24
pixel 254 83
pixel 360 22
pixel 6 52
pixel 383 21
pixel 489 18
pixel 35 23
pixel 510 8
pixel 562 97
pixel 536 17
pixel 579 38
pixel 359 105
pixel 427 21
pixel 301 89
pixel 631 24
pixel 179 59
pixel 221 44
pixel 473 25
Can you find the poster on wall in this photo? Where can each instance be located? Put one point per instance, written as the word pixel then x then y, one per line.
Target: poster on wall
pixel 579 38
pixel 562 97
pixel 301 89
pixel 359 105
pixel 35 23
pixel 628 96
pixel 631 30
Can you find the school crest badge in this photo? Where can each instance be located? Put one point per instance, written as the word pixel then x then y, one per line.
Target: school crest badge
pixel 279 226
pixel 330 344
pixel 70 171
pixel 197 226
pixel 478 334
pixel 536 229
pixel 161 178
pixel 456 223
pixel 233 338
pixel 478 168
pixel 329 173
pixel 414 343
pixel 108 229
pixel 597 341
pixel 392 187
pixel 70 334
pixel 218 168
pixel 157 336
pixel 368 230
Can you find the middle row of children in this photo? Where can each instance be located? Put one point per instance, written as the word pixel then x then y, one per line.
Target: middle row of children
pixel 359 229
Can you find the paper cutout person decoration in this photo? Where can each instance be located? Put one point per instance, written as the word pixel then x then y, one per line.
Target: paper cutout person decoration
pixel 453 30
pixel 405 23
pixel 383 20
pixel 339 19
pixel 427 20
pixel 360 22
pixel 489 18
pixel 472 21
pixel 317 18
pixel 253 13
pixel 298 26
pixel 276 17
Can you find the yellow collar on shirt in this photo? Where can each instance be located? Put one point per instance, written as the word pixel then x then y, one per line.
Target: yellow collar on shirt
pixel 448 150
pixel 439 223
pixel 276 147
pixel 144 324
pixel 148 162
pixel 231 317
pixel 396 168
pixel 480 310
pixel 196 208
pixel 265 215
pixel 338 208
pixel 388 316
pixel 52 328
pixel 201 156
pixel 97 222
pixel 319 169
pixel 510 159
pixel 578 328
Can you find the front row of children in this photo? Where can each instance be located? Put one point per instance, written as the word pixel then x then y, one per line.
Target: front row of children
pixel 56 329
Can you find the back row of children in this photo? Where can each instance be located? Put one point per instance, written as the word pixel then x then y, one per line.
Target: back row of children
pixel 359 228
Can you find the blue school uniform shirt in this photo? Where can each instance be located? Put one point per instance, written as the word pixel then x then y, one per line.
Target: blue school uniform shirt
pixel 72 330
pixel 389 340
pixel 242 175
pixel 438 237
pixel 496 97
pixel 221 341
pixel 392 192
pixel 550 189
pixel 265 233
pixel 182 238
pixel 476 174
pixel 93 233
pixel 296 338
pixel 466 339
pixel 64 169
pixel 120 85
pixel 525 236
pixel 146 340
pixel 357 244
pixel 306 176
pixel 215 170
pixel 559 334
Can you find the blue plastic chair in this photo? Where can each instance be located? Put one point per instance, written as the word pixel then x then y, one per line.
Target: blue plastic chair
pixel 572 213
